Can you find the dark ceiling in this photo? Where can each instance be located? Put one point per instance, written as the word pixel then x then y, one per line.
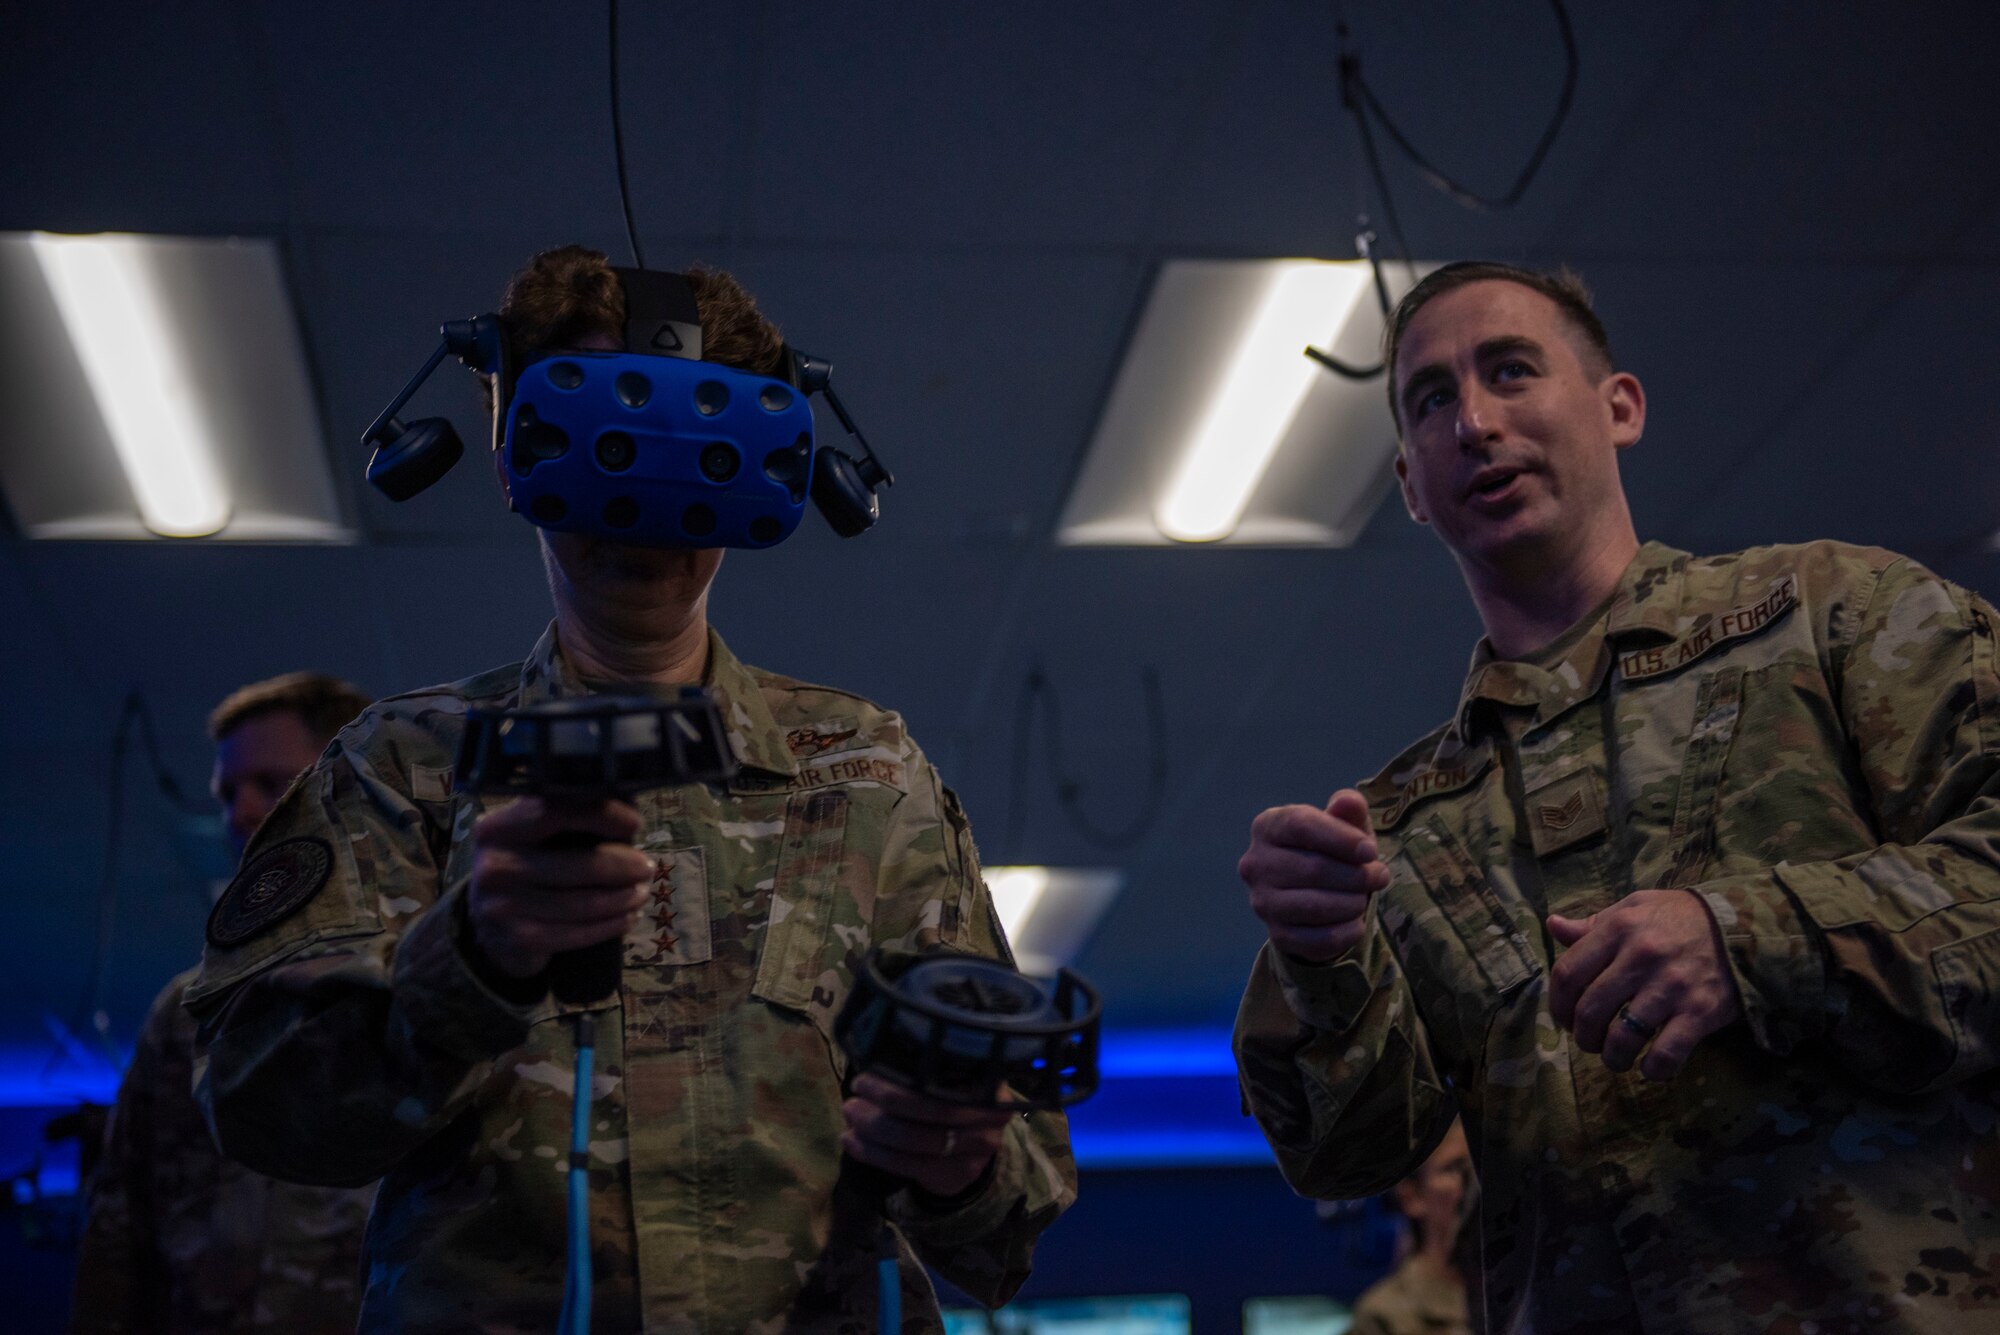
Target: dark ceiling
pixel 1790 213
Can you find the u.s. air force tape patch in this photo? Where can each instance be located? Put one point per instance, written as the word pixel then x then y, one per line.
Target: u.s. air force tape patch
pixel 275 885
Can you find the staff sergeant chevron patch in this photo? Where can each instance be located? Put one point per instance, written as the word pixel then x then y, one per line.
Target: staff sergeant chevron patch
pixel 1564 811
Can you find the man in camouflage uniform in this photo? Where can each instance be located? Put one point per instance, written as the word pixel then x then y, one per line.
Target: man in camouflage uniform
pixel 180 1239
pixel 386 1010
pixel 1692 907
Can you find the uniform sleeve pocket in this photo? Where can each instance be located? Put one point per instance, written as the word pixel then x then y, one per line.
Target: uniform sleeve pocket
pixel 1481 922
pixel 801 966
pixel 1968 975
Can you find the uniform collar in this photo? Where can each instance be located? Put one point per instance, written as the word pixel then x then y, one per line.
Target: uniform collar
pixel 1645 607
pixel 754 734
pixel 759 741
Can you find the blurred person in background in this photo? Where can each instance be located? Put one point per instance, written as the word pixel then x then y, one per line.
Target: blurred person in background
pixel 1425 1293
pixel 180 1239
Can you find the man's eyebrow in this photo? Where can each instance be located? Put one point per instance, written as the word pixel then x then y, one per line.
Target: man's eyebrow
pixel 1506 343
pixel 1430 373
pixel 1420 380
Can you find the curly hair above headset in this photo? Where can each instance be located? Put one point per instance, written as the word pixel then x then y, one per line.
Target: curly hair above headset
pixel 564 295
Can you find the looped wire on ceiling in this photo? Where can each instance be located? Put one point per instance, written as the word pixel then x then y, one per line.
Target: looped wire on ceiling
pixel 1360 102
pixel 1357 96
pixel 1039 693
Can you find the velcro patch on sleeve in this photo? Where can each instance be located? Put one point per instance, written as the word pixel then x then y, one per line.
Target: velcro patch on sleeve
pixel 276 884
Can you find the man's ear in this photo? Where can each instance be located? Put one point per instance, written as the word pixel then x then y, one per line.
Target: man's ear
pixel 1625 397
pixel 1402 1198
pixel 1409 493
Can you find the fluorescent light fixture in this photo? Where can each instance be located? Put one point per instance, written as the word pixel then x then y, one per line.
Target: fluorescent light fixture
pixel 1016 891
pixel 1303 302
pixel 1048 913
pixel 1220 431
pixel 132 356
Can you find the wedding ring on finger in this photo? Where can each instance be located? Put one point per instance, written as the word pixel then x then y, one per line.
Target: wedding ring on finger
pixel 1638 1026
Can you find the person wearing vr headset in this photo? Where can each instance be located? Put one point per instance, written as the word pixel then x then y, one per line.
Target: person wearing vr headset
pixel 376 996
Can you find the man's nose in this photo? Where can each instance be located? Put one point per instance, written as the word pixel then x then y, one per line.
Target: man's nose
pixel 1475 422
pixel 246 813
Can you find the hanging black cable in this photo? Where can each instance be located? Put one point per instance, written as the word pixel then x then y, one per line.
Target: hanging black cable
pixel 618 147
pixel 1364 244
pixel 1351 78
pixel 1341 368
pixel 1350 68
pixel 142 714
pixel 1038 692
pixel 1359 100
pixel 107 883
pixel 133 714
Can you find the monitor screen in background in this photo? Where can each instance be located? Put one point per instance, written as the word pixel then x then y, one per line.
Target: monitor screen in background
pixel 1308 1315
pixel 1152 1314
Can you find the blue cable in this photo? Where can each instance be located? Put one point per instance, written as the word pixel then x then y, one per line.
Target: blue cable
pixel 889 1310
pixel 577 1282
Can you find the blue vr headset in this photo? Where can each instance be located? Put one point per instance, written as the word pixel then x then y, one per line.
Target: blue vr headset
pixel 651 446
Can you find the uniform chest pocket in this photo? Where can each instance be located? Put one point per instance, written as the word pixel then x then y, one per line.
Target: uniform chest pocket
pixel 1463 895
pixel 801 966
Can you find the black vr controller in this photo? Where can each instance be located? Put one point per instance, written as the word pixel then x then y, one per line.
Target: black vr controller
pixel 973 1031
pixel 962 1029
pixel 592 750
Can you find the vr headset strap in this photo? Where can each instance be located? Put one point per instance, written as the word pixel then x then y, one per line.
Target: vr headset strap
pixel 661 317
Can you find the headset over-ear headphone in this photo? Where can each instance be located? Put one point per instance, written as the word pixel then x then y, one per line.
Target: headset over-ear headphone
pixel 653 445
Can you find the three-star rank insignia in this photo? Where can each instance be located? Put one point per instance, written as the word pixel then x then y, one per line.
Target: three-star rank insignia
pixel 272 887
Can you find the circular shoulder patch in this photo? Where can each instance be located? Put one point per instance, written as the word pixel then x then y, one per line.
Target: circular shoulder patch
pixel 277 883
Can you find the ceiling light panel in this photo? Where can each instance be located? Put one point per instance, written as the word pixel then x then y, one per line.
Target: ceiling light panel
pixel 159 389
pixel 1049 913
pixel 1220 431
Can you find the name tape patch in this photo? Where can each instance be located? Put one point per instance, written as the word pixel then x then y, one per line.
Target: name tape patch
pixel 1731 625
pixel 277 883
pixel 1428 780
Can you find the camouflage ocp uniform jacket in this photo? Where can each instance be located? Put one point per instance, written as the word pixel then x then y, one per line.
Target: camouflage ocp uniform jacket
pixel 1420 1296
pixel 181 1241
pixel 1809 739
pixel 352 1038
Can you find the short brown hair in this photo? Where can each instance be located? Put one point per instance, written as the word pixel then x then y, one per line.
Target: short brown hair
pixel 1563 287
pixel 567 294
pixel 324 704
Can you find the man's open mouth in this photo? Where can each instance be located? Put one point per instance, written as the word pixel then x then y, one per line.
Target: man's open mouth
pixel 1491 482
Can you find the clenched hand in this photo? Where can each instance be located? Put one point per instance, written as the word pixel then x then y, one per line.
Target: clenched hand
pixel 1311 873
